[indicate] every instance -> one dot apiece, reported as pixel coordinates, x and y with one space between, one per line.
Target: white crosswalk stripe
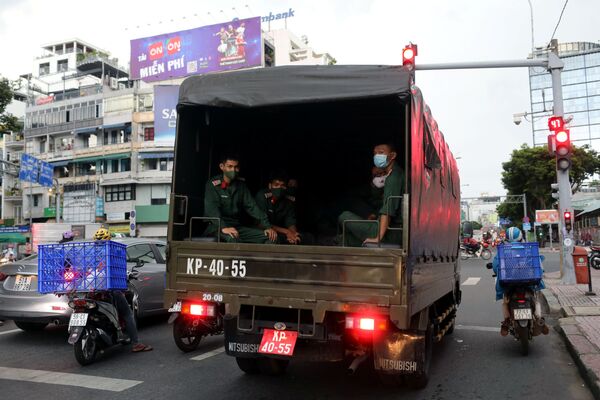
11 331
208 354
471 281
61 378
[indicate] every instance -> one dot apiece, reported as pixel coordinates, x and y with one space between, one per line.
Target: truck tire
419 380
272 366
248 365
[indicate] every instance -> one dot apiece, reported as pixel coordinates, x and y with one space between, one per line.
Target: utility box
580 260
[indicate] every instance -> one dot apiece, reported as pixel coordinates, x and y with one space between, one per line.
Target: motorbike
193 320
595 257
95 324
482 251
523 325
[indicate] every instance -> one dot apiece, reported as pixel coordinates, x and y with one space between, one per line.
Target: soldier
279 208
390 213
226 197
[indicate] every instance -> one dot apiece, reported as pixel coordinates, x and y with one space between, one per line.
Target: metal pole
531 13
525 219
550 225
57 201
537 62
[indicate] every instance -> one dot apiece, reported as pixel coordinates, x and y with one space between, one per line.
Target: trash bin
580 260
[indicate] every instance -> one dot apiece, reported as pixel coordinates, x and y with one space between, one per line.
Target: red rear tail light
200 310
365 323
69 276
3 276
520 295
520 301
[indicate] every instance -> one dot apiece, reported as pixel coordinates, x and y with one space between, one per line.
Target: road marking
11 331
471 281
208 354
477 328
62 378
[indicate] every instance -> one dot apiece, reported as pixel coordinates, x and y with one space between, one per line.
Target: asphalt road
473 363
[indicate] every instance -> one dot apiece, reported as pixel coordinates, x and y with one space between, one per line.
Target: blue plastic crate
82 267
519 263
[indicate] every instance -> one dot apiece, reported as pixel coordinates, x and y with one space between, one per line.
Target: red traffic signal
568 221
556 124
408 54
562 139
567 215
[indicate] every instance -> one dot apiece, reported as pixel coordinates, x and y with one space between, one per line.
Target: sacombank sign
275 17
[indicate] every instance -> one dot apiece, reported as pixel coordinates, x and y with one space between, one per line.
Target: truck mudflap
400 353
246 345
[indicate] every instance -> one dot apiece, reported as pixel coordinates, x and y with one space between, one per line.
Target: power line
559 18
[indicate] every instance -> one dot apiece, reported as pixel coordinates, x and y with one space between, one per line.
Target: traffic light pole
554 65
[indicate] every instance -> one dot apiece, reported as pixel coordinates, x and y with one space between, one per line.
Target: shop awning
12 238
86 130
166 154
116 156
124 125
60 163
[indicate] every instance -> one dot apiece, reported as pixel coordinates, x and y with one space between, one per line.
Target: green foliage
8 122
476 225
531 170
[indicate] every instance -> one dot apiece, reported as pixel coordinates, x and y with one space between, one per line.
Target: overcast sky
473 108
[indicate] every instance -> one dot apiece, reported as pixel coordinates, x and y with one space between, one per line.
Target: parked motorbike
194 320
523 325
595 257
483 251
95 324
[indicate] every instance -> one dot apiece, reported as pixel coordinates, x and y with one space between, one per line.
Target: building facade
581 93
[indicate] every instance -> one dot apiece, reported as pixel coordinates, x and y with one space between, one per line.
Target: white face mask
379 181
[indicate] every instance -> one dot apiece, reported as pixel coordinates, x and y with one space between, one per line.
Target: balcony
66 127
13 195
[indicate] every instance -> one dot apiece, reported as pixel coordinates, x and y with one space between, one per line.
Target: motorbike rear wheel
486 254
85 348
595 261
523 333
186 337
464 254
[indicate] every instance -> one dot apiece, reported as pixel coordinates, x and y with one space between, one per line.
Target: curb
551 304
568 330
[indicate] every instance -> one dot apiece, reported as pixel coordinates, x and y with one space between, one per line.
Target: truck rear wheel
272 366
248 365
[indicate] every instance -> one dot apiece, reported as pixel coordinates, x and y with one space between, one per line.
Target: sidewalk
578 322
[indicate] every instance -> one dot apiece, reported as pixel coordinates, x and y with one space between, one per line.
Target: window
158 202
36 199
142 252
114 167
163 164
114 137
62 65
148 134
119 193
44 69
162 250
125 164
151 164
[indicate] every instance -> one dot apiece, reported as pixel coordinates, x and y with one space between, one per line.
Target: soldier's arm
212 206
253 210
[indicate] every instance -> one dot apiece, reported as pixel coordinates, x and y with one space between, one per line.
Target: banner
165 113
220 47
546 216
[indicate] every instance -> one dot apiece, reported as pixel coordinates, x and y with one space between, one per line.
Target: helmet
513 234
102 234
68 235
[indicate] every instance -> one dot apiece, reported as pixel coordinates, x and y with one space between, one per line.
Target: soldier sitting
226 197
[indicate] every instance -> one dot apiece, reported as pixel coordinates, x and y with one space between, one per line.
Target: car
32 311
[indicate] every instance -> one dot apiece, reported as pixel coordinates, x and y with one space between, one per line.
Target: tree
531 170
8 122
476 225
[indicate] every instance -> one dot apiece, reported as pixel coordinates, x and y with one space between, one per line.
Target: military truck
319 301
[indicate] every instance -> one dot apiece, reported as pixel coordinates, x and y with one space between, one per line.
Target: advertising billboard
546 216
165 113
220 47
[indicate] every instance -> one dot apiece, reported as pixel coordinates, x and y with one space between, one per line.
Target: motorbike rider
67 236
514 235
472 244
123 307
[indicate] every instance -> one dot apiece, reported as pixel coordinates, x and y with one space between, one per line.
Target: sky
474 108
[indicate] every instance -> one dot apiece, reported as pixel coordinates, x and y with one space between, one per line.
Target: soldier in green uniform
361 233
279 208
226 196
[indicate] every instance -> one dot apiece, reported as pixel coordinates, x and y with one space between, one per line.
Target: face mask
379 181
230 174
380 160
277 192
291 191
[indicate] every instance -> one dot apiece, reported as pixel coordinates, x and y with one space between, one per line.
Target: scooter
523 325
193 320
469 252
95 324
595 257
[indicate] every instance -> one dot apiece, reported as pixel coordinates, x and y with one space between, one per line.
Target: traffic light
568 221
563 149
408 55
555 195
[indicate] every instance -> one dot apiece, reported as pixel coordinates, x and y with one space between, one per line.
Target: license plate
22 283
276 342
522 313
78 319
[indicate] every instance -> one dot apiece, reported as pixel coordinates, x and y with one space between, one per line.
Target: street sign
525 219
29 168
526 226
46 172
504 221
537 224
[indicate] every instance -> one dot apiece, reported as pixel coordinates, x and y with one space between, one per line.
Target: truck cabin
320 133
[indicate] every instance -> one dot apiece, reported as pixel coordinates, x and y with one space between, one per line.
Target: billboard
165 113
220 47
546 216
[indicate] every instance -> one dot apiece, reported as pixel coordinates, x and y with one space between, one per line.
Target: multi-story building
291 50
581 93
